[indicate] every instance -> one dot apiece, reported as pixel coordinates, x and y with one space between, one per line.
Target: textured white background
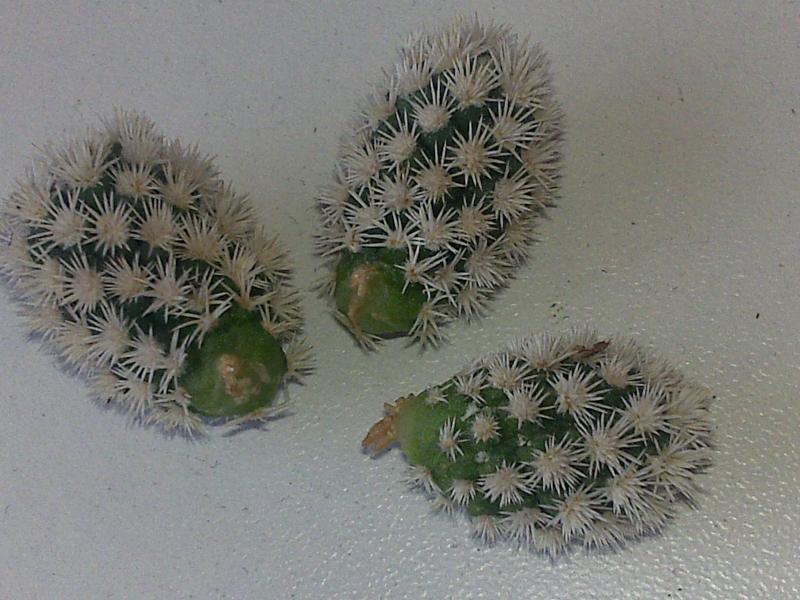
679 224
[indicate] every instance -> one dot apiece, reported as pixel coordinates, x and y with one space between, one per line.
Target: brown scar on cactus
359 282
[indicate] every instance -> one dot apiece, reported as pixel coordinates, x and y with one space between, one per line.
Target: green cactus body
555 440
449 166
150 276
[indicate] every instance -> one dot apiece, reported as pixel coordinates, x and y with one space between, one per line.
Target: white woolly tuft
427 327
485 428
576 513
109 224
421 477
506 372
452 161
442 503
435 396
135 181
558 466
506 485
126 249
550 541
83 283
525 404
470 385
486 528
462 491
520 525
156 225
578 394
449 439
63 226
110 334
80 163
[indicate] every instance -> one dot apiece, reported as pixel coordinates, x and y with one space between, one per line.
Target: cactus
149 276
437 191
556 440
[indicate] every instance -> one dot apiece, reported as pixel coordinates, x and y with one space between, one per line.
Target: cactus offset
439 187
556 440
150 276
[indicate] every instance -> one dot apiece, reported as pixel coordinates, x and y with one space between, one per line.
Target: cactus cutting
439 186
556 440
150 276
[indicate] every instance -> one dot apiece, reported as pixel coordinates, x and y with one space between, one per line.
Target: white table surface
679 224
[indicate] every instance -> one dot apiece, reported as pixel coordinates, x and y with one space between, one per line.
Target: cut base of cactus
372 294
238 368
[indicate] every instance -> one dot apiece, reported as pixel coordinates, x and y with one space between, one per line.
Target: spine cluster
449 165
556 440
125 250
